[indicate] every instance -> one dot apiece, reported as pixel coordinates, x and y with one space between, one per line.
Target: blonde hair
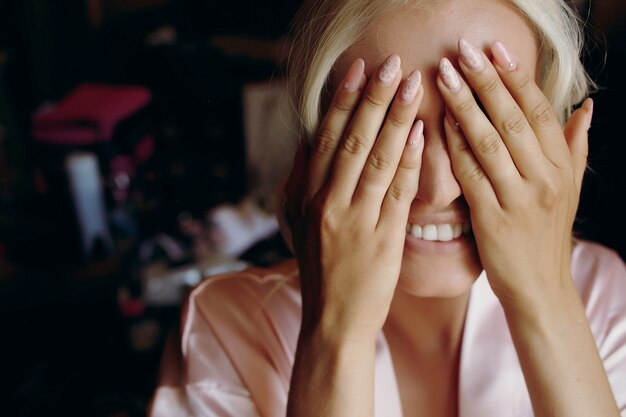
325 29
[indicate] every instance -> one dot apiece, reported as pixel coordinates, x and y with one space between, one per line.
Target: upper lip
423 214
439 218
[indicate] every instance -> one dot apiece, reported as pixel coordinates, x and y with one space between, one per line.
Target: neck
431 326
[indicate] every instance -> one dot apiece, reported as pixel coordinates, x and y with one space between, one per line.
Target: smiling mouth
442 232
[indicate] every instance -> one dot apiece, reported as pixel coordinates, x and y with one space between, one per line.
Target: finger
484 140
382 162
363 129
477 188
402 190
576 135
503 111
333 125
534 104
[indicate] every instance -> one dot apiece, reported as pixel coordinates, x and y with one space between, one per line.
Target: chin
439 275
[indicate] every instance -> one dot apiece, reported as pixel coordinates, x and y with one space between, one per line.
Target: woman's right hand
348 199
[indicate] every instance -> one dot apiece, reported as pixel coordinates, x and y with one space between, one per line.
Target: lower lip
416 244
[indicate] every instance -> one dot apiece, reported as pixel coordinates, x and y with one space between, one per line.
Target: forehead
423 34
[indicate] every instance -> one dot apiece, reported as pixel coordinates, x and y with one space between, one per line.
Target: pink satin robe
239 332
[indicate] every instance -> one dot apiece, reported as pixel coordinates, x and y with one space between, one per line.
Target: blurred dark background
83 322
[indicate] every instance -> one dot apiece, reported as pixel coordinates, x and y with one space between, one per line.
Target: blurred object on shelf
162 247
111 123
253 48
234 228
270 138
99 10
163 35
167 286
87 193
89 114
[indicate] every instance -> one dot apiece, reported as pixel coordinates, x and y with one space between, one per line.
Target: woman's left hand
519 170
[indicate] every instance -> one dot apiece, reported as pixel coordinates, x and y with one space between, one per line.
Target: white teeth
429 232
443 232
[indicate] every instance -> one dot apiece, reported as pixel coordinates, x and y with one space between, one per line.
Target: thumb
577 137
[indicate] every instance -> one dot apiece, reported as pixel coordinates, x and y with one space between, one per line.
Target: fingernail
471 56
353 78
416 136
449 76
503 56
411 87
389 70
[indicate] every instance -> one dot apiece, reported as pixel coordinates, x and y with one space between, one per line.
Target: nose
438 186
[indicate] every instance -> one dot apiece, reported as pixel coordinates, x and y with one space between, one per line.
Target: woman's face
432 265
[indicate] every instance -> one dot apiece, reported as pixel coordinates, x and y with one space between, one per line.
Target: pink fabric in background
88 114
239 333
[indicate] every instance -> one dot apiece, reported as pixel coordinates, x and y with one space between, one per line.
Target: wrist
333 374
544 306
332 331
345 320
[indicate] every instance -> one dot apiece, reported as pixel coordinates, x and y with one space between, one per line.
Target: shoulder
246 292
252 317
600 276
598 271
237 340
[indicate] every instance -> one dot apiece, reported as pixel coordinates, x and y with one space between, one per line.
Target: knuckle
326 141
514 123
354 143
379 161
461 146
465 106
396 120
341 106
549 194
399 193
474 174
374 101
542 114
489 144
490 85
522 83
322 214
409 162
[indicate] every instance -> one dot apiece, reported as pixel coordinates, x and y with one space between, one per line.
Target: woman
430 213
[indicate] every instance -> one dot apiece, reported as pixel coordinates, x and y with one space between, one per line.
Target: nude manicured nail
411 87
471 56
416 136
449 76
389 70
503 57
353 78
